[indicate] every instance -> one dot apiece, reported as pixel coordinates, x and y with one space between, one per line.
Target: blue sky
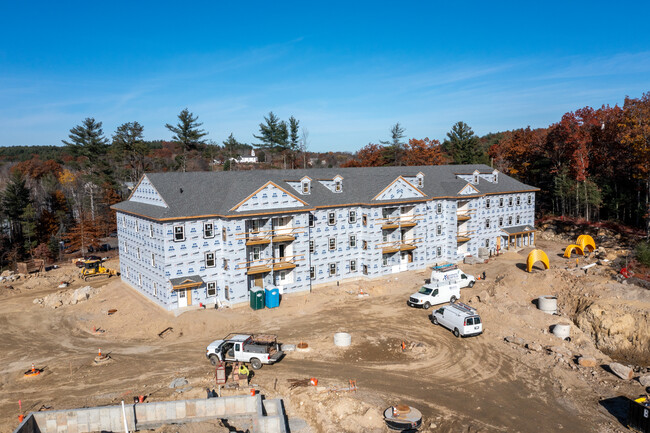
348 71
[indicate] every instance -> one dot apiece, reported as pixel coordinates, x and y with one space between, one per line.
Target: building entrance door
182 298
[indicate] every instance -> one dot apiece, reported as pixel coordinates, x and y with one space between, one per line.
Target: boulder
587 361
645 380
536 347
178 382
625 373
515 340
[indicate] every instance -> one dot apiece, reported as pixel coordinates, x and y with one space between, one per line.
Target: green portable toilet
257 298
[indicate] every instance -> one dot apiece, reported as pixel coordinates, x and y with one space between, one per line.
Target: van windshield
425 291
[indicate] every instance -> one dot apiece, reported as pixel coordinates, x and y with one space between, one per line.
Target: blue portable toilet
272 297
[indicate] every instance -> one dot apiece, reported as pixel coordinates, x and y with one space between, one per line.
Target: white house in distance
245 159
197 237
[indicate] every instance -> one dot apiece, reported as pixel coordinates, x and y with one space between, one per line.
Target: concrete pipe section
342 339
547 304
562 330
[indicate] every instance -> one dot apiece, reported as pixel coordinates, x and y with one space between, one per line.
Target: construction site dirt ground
478 384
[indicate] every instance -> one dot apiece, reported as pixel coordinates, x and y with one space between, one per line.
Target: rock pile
67 297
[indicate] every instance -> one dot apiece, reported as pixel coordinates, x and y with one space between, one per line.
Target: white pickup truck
254 349
452 273
435 293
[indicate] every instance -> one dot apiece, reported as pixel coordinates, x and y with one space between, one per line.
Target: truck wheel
452 299
426 306
214 360
434 320
471 284
256 363
456 333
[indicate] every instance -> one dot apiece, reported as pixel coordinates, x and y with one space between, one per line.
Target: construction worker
243 371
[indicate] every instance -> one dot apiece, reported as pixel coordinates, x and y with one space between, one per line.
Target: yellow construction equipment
586 242
570 248
534 256
94 267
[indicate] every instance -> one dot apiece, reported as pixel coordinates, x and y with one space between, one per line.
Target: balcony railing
402 245
464 236
393 222
281 234
259 266
464 215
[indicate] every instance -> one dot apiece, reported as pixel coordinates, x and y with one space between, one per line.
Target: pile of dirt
336 412
618 328
67 297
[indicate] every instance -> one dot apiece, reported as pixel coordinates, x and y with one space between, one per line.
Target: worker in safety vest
243 370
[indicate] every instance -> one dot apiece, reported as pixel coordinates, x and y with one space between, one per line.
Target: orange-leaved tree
85 233
371 155
423 152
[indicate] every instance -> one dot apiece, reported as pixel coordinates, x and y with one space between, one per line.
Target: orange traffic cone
313 381
33 368
99 354
403 346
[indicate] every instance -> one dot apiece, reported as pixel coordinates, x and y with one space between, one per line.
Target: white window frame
331 242
510 220
126 247
353 265
384 237
530 199
501 201
332 269
150 230
438 251
439 230
312 272
487 203
510 201
338 186
517 219
155 288
177 232
384 260
331 218
137 226
256 253
305 187
138 253
153 259
352 216
311 246
518 201
475 178
205 230
353 241
210 257
420 181
312 220
500 221
487 243
438 208
139 279
487 223
124 221
211 286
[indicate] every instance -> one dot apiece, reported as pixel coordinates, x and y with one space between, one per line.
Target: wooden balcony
269 264
389 223
257 240
463 237
283 264
283 238
398 246
463 215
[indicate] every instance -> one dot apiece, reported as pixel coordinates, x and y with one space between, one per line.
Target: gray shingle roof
216 193
518 229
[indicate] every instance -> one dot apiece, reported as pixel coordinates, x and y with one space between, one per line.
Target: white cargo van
460 318
435 293
452 272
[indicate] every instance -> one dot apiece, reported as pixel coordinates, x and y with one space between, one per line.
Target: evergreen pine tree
187 134
463 145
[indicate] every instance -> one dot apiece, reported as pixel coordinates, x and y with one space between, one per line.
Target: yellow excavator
94 267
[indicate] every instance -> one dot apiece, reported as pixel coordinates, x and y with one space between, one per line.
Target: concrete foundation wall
155 414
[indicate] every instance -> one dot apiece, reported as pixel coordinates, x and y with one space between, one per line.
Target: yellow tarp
535 256
586 241
570 248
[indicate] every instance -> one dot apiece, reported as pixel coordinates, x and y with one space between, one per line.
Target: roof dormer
475 177
495 176
338 183
305 185
419 178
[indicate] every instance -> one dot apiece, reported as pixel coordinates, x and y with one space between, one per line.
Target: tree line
592 164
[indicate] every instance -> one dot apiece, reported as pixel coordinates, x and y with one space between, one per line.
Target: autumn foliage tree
87 232
423 152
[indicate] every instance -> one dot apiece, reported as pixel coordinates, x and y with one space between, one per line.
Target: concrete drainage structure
263 416
342 339
562 330
547 304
